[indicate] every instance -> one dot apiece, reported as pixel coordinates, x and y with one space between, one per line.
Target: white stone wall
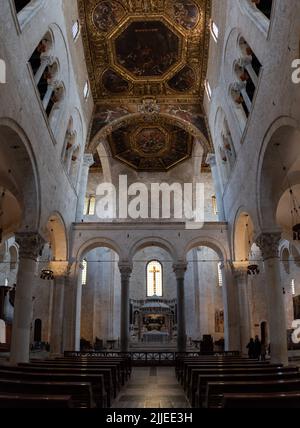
100 306
20 102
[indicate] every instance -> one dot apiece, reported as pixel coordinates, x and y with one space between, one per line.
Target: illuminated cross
154 271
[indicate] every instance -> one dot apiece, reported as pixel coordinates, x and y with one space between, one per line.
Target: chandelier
47 274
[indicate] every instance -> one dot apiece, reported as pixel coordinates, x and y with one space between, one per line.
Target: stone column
125 271
70 306
211 160
30 246
231 314
241 277
88 161
57 336
269 245
180 270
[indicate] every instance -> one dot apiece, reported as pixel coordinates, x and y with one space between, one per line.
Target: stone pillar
180 270
125 271
57 336
231 314
30 246
269 246
241 277
88 161
70 306
211 160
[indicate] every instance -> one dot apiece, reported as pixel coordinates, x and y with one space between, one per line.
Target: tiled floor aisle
155 387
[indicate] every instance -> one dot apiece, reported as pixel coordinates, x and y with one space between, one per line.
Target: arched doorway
153 298
37 331
99 280
264 332
204 302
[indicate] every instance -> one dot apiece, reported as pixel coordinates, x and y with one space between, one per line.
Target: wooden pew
97 381
216 390
114 383
27 401
106 373
275 400
192 386
198 397
125 361
182 363
189 367
80 392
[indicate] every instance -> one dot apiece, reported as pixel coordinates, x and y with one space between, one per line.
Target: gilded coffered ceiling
146 53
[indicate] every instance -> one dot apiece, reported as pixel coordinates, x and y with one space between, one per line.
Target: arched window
154 279
84 272
75 29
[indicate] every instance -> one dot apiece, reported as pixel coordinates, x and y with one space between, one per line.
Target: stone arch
13 256
97 243
243 236
19 175
209 242
58 237
278 156
104 155
133 117
60 46
153 241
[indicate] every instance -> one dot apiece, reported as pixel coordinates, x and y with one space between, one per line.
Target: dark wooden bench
192 386
182 363
101 397
125 362
112 382
198 398
216 390
287 400
105 372
20 401
189 367
80 392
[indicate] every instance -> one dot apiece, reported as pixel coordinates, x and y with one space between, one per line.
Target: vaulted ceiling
148 59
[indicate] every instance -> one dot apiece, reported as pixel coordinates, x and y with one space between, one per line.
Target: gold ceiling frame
198 48
124 25
158 119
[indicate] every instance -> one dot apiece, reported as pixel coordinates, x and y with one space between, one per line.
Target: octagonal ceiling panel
148 43
151 148
147 49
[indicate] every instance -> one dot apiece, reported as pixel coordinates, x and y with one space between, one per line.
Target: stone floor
154 387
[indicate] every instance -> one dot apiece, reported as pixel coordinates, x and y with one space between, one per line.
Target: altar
153 321
156 337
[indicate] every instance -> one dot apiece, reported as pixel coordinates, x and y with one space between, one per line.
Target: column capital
31 244
180 269
125 270
211 159
88 160
269 244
